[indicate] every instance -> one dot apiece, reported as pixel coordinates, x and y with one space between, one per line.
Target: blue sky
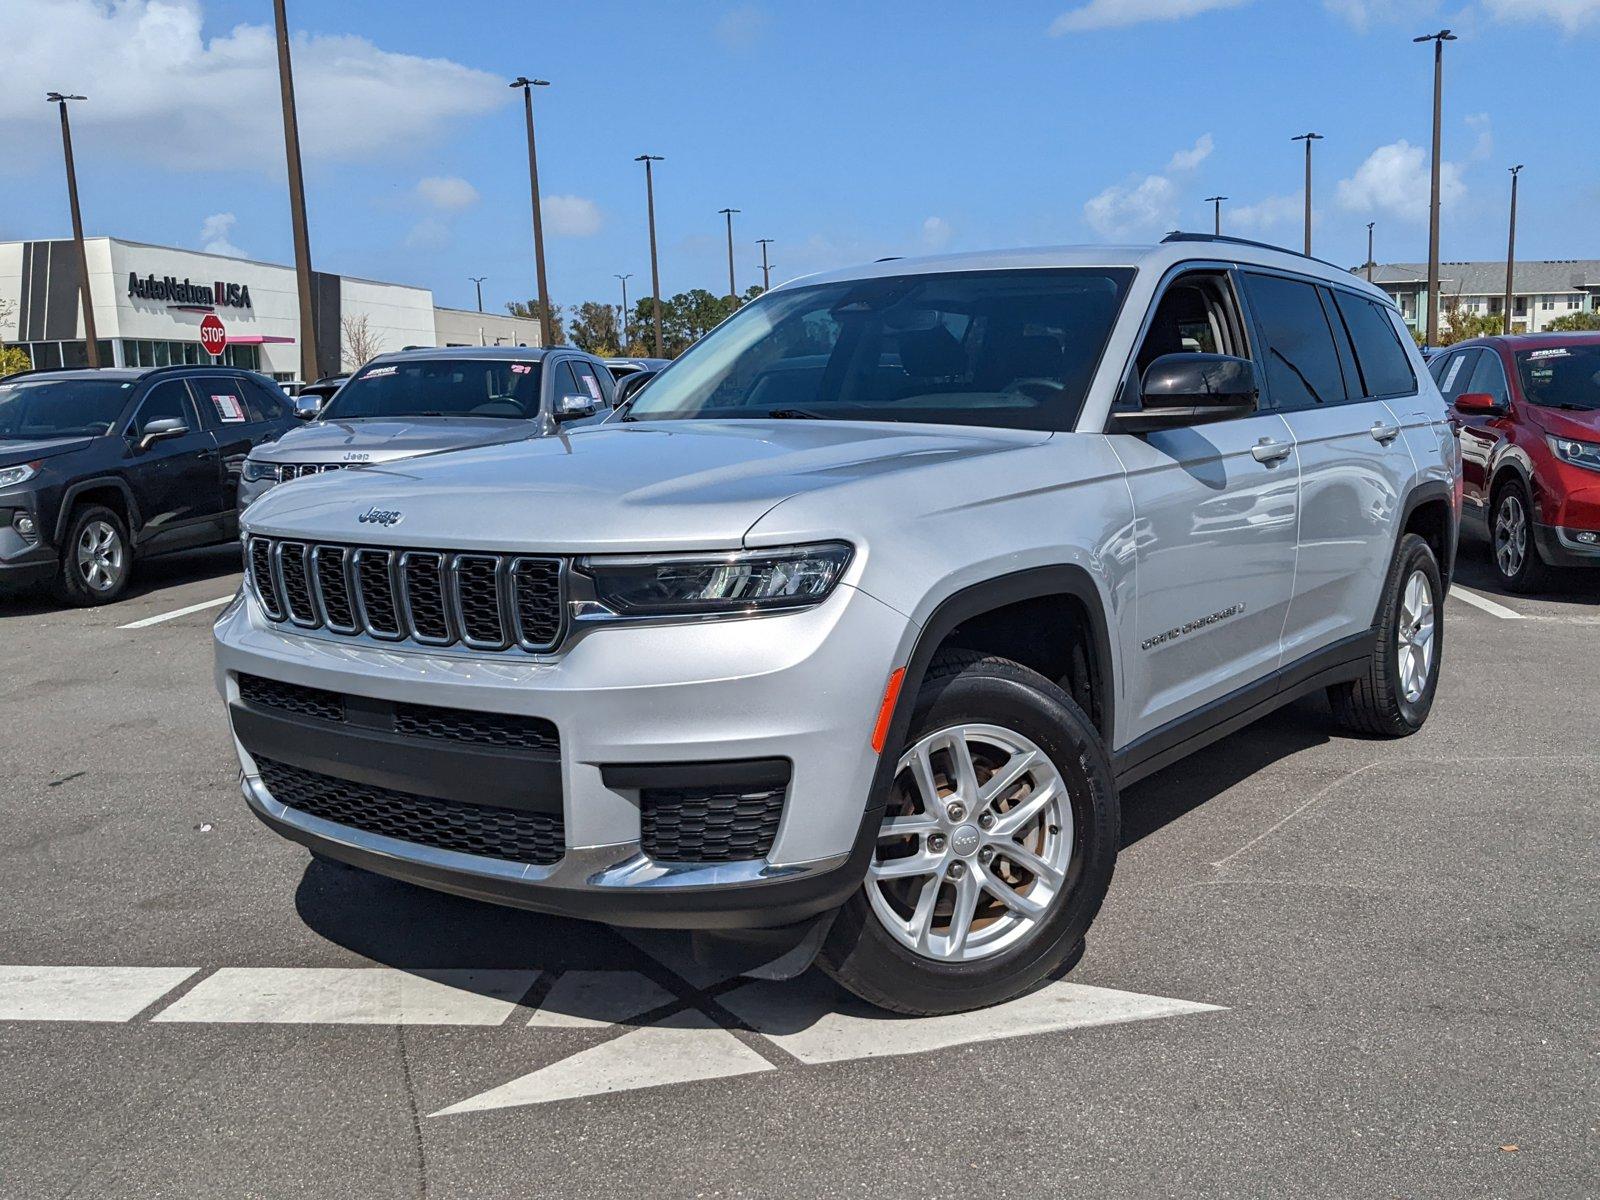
844 131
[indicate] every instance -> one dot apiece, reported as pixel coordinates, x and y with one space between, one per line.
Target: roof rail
1178 235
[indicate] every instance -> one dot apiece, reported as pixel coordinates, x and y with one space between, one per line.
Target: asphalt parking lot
1327 967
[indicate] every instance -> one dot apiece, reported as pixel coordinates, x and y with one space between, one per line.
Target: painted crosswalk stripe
146 622
351 996
84 993
682 1048
1485 604
816 1024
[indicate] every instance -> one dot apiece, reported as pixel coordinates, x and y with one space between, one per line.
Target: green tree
1578 322
594 328
1457 325
529 310
14 359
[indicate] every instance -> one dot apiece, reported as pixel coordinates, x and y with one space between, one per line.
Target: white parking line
351 996
1484 603
84 993
175 613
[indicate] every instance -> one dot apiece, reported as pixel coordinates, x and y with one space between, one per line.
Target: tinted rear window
1302 362
440 387
1385 366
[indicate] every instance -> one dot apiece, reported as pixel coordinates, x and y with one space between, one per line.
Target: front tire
1514 550
996 848
96 558
1393 698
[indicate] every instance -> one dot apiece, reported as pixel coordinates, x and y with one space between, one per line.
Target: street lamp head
1444 35
650 158
1516 170
1307 137
1215 199
522 81
722 212
58 97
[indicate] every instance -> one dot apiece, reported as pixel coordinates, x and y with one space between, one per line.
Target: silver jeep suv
839 641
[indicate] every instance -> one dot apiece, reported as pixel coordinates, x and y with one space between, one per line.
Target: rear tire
96 558
1016 874
1393 698
1512 546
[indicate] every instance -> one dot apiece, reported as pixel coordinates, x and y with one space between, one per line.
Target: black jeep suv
99 468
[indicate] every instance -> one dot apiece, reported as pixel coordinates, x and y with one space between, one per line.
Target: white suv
843 634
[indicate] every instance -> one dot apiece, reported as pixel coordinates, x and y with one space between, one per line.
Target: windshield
48 408
1015 349
434 387
1562 376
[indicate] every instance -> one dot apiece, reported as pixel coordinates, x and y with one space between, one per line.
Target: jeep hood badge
381 516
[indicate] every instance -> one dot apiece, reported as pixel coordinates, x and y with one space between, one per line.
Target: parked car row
99 469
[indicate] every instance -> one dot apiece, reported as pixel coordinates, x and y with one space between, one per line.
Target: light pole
1511 246
1438 40
1308 138
1370 225
91 343
1216 212
527 85
478 280
766 267
655 268
623 331
733 289
297 201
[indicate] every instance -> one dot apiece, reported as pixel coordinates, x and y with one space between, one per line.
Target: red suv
1527 410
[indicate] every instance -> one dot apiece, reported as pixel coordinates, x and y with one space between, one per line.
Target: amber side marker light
891 693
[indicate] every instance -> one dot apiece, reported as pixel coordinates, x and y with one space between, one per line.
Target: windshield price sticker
1556 353
521 368
378 372
593 384
229 410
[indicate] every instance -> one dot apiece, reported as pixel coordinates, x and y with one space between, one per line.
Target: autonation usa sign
170 290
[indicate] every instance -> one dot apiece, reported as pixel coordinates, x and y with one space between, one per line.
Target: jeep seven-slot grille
709 824
433 597
505 833
288 471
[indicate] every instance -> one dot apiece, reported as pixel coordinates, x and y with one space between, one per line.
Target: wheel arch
1429 512
105 489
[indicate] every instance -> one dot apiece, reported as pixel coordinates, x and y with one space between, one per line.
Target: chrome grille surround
288 471
435 598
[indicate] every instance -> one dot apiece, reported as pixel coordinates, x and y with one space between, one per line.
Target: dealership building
149 302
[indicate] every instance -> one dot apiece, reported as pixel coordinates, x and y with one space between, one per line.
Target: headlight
747 581
10 476
1579 454
255 470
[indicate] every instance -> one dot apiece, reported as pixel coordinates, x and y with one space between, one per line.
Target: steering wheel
1032 387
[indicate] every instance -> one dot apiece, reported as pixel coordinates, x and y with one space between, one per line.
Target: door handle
1385 433
1269 451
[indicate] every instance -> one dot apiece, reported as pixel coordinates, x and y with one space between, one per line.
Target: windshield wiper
795 414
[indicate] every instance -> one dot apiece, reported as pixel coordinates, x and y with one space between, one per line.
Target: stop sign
213 337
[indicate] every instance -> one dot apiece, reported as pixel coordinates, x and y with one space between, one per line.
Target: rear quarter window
1384 365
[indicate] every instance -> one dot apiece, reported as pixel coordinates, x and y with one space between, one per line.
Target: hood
1566 422
14 452
653 485
380 439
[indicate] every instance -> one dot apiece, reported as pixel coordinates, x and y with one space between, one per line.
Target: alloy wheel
100 555
976 847
1510 535
1415 637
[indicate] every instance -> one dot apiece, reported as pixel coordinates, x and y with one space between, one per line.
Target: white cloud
163 94
214 234
1188 160
1481 124
1112 14
1124 210
1266 214
936 233
448 193
572 216
740 28
1570 15
430 233
1362 14
1396 180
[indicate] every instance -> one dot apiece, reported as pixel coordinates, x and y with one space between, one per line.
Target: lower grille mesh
291 697
504 833
707 825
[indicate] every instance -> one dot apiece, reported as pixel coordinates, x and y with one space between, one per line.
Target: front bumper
804 687
1562 548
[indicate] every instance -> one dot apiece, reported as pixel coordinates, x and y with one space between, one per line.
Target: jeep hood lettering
382 439
670 485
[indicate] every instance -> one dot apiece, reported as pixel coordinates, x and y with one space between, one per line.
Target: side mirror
306 407
628 386
1477 402
576 405
1192 389
161 430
